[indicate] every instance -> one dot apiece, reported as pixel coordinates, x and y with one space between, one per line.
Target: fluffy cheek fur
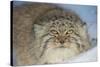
53 53
58 55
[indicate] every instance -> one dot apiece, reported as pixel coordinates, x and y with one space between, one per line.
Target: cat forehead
61 22
61 25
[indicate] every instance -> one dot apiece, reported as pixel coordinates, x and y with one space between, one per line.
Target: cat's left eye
69 32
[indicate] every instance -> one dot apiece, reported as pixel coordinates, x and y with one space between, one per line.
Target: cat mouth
61 47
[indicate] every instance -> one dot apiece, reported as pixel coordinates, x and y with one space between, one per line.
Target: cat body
45 34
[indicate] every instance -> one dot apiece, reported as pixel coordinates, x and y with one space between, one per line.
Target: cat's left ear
84 25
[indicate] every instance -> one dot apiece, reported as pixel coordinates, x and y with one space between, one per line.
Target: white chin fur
58 55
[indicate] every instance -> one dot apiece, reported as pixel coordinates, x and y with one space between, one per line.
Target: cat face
64 32
58 33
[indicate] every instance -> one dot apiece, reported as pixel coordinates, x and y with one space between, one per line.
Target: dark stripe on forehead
70 25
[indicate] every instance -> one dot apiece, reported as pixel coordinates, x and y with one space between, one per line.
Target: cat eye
53 32
69 32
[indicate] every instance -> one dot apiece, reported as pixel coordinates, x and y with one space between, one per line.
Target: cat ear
39 30
84 25
37 26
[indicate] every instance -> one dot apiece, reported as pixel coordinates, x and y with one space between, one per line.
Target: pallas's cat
46 34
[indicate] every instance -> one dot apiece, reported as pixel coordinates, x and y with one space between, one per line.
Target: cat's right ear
38 27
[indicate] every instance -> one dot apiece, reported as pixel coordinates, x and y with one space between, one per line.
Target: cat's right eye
54 31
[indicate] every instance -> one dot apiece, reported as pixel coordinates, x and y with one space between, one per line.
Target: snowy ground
89 56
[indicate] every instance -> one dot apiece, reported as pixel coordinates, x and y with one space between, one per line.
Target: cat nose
62 41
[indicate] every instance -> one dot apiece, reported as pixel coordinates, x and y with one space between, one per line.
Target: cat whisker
45 46
44 35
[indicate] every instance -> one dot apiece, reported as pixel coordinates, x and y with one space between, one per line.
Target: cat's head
58 33
59 30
